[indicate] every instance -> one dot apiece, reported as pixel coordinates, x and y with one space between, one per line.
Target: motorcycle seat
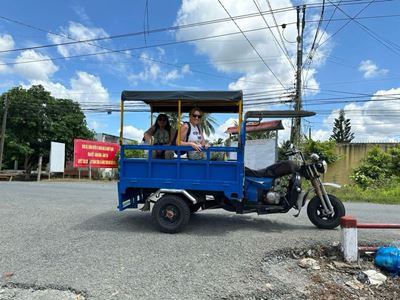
279 169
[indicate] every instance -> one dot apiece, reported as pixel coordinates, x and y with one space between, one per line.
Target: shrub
377 168
325 150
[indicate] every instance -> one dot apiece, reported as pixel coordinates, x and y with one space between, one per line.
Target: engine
276 193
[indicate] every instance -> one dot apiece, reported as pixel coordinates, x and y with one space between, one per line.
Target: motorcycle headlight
322 166
314 157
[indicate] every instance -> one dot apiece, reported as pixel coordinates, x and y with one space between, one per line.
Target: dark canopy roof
167 101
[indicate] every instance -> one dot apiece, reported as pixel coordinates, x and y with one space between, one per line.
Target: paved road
69 235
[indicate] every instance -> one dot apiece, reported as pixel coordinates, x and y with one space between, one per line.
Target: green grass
388 194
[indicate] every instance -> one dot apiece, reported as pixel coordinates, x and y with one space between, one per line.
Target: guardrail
349 238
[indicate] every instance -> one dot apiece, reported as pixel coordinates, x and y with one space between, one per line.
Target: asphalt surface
69 236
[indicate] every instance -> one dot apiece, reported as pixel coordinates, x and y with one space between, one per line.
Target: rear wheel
171 213
315 213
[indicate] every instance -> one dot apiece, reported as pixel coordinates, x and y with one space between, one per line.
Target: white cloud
373 121
78 32
133 133
97 125
40 70
172 75
153 72
220 130
284 135
90 87
185 69
6 43
80 11
234 48
321 135
370 69
85 88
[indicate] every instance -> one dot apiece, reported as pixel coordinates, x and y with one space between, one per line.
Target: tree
342 129
284 147
35 118
378 167
207 122
173 119
259 135
325 150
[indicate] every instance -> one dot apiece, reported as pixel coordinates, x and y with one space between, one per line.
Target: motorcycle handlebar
294 152
291 152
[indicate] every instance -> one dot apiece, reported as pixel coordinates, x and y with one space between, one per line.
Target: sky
350 61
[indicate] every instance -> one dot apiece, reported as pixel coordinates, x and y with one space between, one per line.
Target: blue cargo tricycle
176 188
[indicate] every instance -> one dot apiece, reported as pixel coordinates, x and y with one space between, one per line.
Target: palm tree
173 119
207 124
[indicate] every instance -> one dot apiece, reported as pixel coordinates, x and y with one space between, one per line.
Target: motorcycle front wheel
321 220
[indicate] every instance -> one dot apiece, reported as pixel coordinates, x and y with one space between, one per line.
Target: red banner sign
97 154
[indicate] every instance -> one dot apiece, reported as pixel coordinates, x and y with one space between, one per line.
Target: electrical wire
281 46
123 51
279 33
347 23
158 30
312 49
374 35
255 50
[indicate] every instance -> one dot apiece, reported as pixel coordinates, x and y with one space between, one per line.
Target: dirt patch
323 274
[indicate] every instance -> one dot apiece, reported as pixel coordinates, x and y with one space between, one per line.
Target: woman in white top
195 139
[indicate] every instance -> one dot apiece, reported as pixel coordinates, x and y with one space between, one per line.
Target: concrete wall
351 157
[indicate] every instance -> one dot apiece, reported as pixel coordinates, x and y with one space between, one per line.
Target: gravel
68 237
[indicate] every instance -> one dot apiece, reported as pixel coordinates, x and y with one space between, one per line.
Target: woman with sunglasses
161 133
195 139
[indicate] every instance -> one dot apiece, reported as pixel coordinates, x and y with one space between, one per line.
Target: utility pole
296 122
3 130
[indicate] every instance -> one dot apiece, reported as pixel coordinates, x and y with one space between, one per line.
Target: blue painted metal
253 185
136 174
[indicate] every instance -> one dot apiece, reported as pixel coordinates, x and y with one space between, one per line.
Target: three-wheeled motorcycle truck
179 187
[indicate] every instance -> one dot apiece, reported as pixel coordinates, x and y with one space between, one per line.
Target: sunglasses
197 116
162 119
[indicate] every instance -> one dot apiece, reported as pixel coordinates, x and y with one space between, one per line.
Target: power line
329 21
311 53
281 46
279 32
373 34
157 30
348 22
123 51
255 50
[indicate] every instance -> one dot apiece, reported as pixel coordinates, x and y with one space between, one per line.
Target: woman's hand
196 147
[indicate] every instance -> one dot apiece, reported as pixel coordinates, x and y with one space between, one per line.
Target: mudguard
331 184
